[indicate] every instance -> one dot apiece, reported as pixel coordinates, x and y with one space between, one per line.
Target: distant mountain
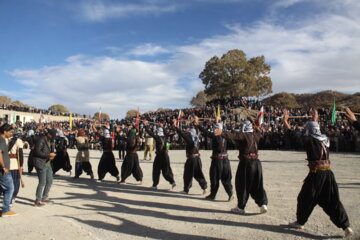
321 99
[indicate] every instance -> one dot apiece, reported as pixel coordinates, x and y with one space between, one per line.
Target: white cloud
85 84
287 3
148 49
103 10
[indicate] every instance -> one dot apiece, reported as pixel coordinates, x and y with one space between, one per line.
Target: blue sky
117 55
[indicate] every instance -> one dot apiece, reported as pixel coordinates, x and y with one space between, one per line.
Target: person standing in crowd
62 159
319 186
16 155
131 163
107 162
149 146
220 165
162 160
31 140
6 181
352 119
82 161
43 155
121 143
249 176
193 165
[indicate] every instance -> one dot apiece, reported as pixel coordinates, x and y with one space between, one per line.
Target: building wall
29 117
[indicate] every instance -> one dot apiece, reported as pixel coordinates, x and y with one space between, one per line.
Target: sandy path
85 209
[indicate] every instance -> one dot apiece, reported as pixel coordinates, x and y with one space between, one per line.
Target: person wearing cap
249 176
162 160
107 162
320 187
43 155
131 163
220 165
193 165
6 181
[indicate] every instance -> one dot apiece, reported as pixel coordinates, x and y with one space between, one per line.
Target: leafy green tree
163 109
233 75
5 100
58 108
200 99
131 113
19 104
103 116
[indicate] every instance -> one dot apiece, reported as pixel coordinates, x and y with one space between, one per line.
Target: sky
124 54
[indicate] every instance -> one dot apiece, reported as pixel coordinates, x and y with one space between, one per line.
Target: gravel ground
86 209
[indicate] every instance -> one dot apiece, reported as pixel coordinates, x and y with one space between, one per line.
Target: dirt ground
86 209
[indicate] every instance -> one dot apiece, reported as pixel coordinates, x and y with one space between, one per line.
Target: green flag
333 115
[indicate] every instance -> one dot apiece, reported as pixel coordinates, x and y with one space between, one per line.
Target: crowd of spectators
343 137
37 110
341 134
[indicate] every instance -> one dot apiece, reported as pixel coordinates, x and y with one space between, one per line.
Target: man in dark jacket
43 154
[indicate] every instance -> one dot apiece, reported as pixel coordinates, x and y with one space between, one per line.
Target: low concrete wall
29 117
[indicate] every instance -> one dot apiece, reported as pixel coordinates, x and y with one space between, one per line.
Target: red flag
260 117
137 119
113 140
179 118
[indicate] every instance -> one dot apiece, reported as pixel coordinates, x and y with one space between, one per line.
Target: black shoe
210 197
117 179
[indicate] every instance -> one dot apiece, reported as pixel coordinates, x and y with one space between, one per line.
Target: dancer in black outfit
220 165
107 162
320 187
131 163
249 176
193 165
162 160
